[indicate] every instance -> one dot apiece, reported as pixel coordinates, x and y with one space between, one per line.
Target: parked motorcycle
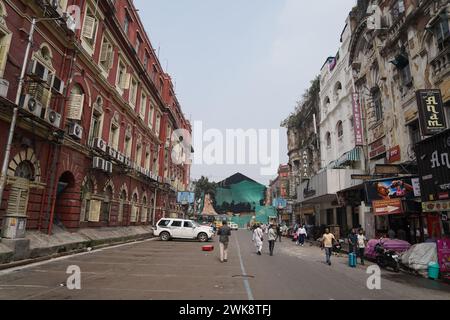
387 258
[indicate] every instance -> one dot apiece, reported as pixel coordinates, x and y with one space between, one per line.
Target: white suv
168 228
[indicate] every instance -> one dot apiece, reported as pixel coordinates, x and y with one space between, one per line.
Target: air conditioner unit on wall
98 163
120 157
111 152
58 85
30 104
37 69
99 144
108 167
76 131
53 117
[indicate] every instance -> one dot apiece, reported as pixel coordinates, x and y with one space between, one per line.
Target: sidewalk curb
26 262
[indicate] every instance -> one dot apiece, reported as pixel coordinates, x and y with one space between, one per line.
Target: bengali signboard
387 207
376 149
431 111
357 123
433 157
394 154
305 165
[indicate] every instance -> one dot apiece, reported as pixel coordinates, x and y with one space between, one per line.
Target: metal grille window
376 97
25 170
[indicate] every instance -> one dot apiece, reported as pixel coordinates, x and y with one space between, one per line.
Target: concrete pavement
180 270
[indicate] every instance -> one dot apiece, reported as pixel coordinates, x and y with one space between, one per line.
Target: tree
204 186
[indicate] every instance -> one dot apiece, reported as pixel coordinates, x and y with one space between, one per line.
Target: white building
337 125
340 158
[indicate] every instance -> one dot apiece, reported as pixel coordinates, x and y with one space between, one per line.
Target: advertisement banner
431 111
394 154
185 197
387 189
433 157
357 123
443 250
387 207
279 203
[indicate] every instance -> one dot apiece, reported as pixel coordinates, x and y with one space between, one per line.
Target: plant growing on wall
309 98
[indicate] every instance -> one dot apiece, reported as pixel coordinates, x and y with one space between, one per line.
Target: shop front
433 156
396 208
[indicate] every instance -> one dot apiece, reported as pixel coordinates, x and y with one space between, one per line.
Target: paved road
180 270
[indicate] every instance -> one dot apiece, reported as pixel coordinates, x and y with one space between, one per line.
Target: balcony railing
441 63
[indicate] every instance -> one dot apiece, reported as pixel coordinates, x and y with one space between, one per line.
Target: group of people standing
357 243
273 233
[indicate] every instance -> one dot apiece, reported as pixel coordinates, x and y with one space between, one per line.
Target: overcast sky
242 64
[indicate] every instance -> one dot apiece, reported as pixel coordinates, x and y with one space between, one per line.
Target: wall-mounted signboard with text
431 111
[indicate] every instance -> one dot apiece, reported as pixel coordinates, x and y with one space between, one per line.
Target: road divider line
244 273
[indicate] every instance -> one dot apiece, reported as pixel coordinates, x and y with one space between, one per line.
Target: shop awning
351 156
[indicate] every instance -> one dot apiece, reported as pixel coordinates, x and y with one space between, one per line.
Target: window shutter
94 212
76 103
46 96
126 81
89 27
110 57
18 200
104 52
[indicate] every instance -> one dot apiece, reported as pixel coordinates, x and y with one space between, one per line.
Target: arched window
106 205
25 170
76 103
86 195
337 90
326 105
134 209
328 139
145 210
97 120
122 200
114 131
46 53
340 130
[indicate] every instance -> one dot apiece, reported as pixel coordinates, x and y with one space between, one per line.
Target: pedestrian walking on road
258 237
279 234
272 238
302 234
352 241
362 243
328 240
224 234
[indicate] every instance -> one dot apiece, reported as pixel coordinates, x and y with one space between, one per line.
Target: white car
168 228
234 226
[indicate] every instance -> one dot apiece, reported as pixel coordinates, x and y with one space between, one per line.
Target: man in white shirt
258 239
361 243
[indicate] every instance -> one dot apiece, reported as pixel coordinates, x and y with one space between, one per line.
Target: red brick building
92 145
